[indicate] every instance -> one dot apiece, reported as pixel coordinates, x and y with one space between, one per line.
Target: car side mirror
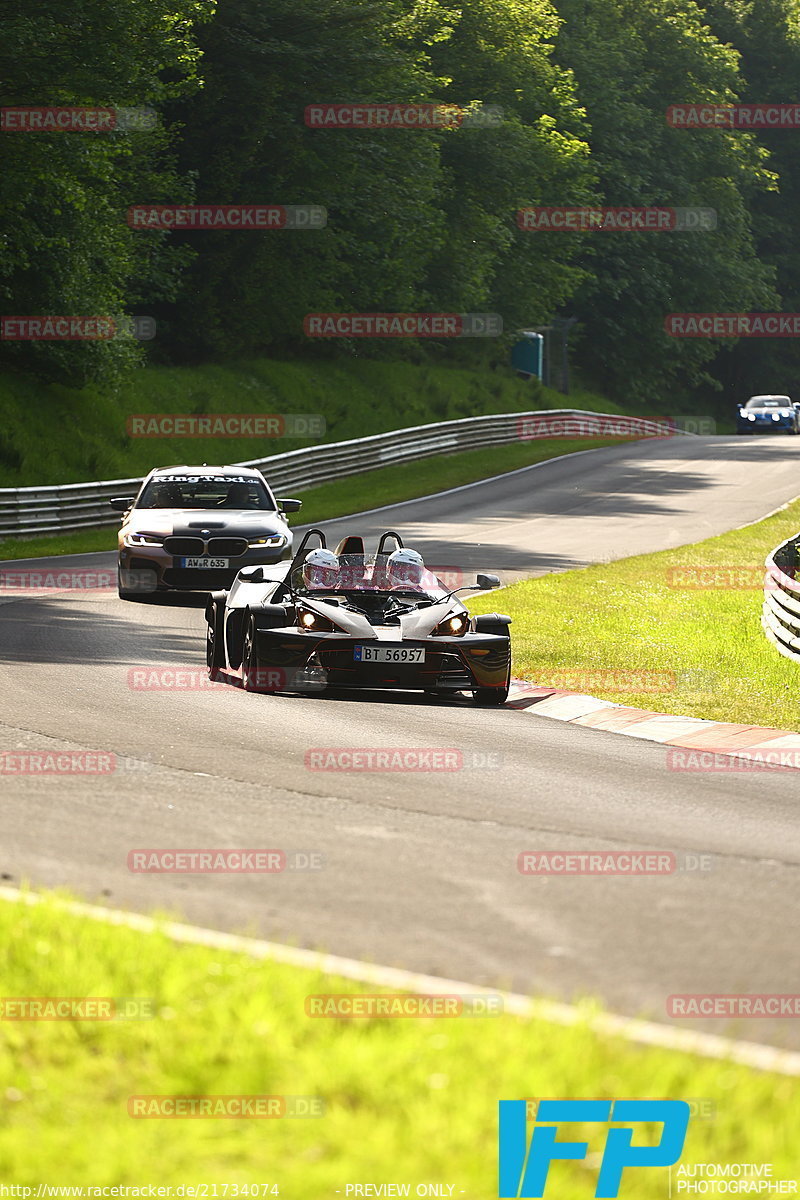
122 503
485 582
252 574
740 407
289 506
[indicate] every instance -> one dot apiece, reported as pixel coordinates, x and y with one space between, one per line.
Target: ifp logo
524 1170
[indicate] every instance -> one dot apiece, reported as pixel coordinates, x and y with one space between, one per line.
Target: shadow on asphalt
54 630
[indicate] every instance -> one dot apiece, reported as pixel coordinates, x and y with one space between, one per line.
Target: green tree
633 59
65 247
766 34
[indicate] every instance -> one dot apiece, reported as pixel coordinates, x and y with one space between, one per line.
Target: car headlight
313 622
275 539
144 539
452 626
776 416
750 416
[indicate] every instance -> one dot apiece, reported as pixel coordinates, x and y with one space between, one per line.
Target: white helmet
405 567
320 569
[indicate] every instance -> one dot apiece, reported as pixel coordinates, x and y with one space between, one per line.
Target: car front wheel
256 675
490 697
215 634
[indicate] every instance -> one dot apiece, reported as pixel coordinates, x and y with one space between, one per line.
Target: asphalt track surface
420 868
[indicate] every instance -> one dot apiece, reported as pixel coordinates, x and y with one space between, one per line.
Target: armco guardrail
780 616
30 510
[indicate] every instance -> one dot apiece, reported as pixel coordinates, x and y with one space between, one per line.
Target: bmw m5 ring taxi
349 619
194 528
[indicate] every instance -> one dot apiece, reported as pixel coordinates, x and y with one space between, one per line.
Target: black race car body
271 632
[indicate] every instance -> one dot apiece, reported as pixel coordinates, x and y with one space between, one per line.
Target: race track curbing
755 744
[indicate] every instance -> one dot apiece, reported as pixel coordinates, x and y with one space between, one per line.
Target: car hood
418 624
219 522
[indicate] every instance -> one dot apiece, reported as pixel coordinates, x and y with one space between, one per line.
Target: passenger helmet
320 569
405 567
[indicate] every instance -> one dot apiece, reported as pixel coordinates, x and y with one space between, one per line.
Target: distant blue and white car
768 414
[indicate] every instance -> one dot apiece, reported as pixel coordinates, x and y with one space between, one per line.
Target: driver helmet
405 567
321 569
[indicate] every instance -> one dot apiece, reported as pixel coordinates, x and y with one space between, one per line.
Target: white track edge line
706 1045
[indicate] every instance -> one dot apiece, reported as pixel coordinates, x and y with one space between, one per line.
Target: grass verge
388 485
51 434
406 1101
685 623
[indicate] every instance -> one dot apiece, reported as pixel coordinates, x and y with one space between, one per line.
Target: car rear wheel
249 656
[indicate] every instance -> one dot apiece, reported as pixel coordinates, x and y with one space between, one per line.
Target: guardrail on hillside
780 616
31 510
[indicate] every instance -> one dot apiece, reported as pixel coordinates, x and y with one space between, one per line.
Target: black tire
490 697
256 676
215 638
126 593
495 628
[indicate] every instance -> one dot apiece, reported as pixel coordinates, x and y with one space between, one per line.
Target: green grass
705 644
51 434
389 485
406 1101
